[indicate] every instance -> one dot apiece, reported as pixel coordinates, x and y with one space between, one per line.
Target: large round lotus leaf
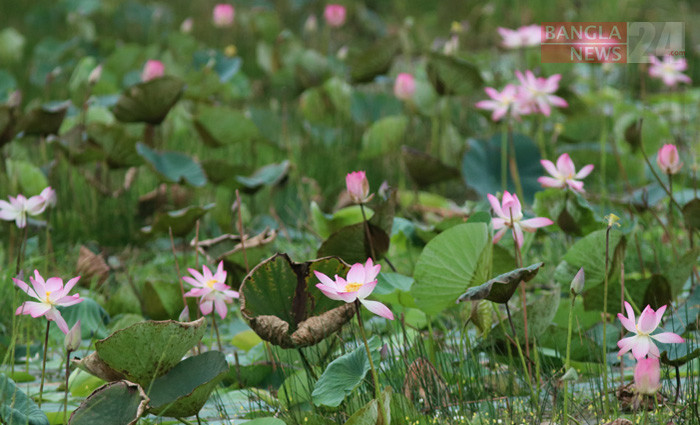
149 101
451 262
116 403
280 300
451 75
181 221
93 365
375 60
132 351
426 169
184 390
174 167
16 407
45 119
219 126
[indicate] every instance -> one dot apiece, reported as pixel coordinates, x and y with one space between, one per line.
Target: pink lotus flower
405 86
536 93
358 285
668 160
49 197
211 289
529 35
19 207
223 15
358 187
501 103
152 69
670 71
647 375
335 15
564 174
510 215
642 342
50 293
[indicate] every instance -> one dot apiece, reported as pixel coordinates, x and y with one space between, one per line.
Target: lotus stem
605 322
216 330
368 234
567 362
240 231
65 394
177 268
519 264
526 366
514 164
504 158
43 363
375 379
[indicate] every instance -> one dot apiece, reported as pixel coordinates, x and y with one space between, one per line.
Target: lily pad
149 101
425 169
181 221
376 60
45 119
185 388
130 351
116 403
174 167
451 262
16 408
451 75
282 305
501 288
220 126
269 175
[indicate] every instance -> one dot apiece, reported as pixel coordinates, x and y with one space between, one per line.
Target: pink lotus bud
668 159
578 282
223 15
152 69
647 375
95 75
186 26
358 187
335 15
72 340
405 86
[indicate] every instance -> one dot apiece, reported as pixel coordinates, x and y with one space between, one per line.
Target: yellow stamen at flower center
48 296
353 287
211 282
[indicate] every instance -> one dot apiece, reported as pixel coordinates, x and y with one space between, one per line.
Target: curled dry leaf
309 332
91 265
502 287
218 248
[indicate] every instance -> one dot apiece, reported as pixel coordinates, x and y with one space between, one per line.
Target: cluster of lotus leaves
144 366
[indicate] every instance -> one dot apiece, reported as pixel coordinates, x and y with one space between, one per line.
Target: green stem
567 363
65 394
514 165
605 322
216 329
43 363
522 357
368 235
375 379
504 158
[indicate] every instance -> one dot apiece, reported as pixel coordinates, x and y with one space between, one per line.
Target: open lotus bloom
642 343
668 160
213 292
670 71
50 294
358 187
564 174
509 214
358 285
536 94
525 36
19 207
501 103
647 376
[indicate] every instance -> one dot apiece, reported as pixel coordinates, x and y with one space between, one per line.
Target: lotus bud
73 338
668 160
335 15
95 75
405 86
577 283
152 69
358 187
223 15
